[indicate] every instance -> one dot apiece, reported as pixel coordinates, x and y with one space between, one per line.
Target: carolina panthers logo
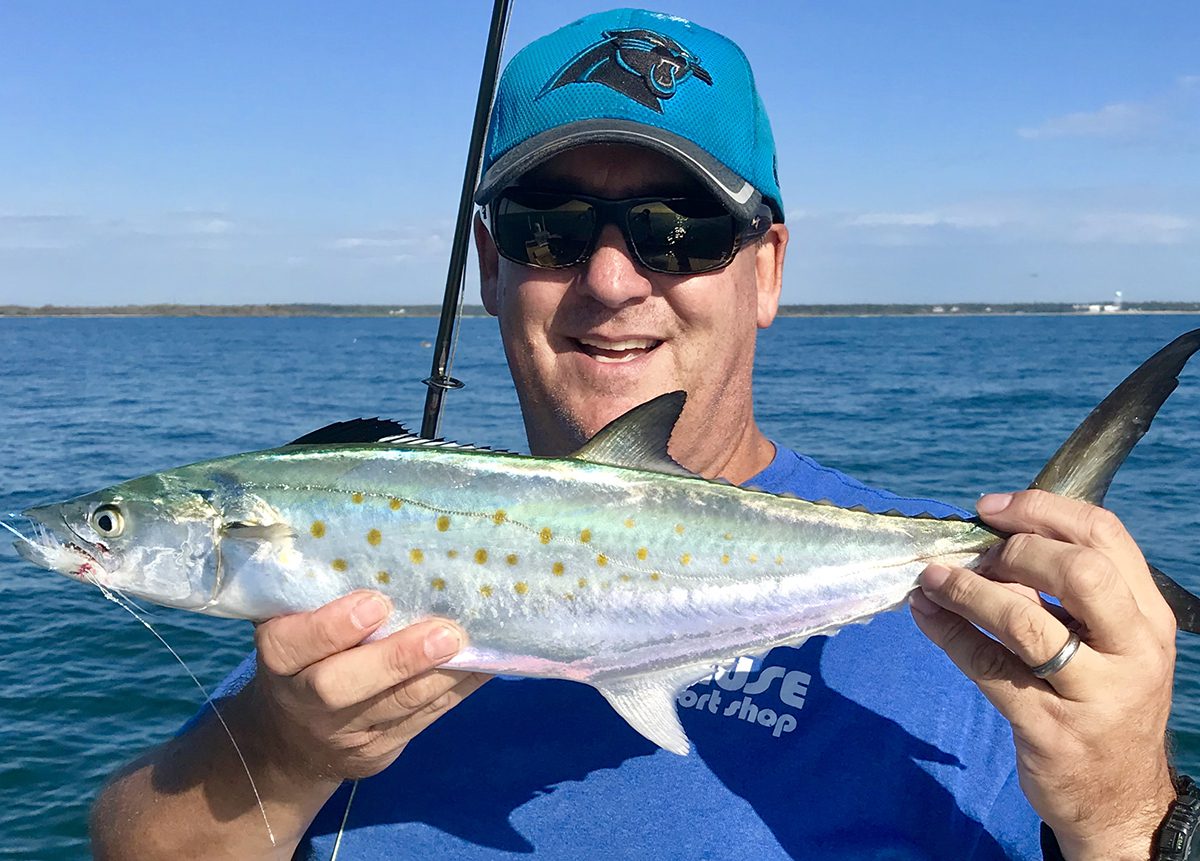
641 64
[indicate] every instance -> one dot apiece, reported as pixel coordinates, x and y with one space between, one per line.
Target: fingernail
370 611
993 503
934 577
442 643
920 603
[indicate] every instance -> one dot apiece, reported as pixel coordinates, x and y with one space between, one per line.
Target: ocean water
935 406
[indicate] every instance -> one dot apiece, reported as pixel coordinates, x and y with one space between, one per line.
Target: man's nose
610 276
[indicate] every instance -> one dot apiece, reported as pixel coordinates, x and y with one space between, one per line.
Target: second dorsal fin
638 439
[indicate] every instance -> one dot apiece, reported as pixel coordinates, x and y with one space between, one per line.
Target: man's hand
335 709
1090 738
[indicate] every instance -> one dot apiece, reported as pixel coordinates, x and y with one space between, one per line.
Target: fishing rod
439 380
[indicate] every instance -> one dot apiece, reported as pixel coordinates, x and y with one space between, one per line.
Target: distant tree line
331 310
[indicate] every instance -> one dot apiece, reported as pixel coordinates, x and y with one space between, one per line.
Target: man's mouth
616 351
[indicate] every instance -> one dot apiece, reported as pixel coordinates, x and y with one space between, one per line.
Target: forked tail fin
1084 466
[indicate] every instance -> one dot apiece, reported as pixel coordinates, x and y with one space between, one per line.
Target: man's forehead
613 170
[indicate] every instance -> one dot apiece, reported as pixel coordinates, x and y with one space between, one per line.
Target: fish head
151 538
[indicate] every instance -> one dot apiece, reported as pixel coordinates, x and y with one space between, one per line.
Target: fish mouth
57 546
616 350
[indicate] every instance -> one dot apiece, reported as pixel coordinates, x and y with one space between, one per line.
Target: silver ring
1060 660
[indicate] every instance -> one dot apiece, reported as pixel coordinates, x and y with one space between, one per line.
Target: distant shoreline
964 309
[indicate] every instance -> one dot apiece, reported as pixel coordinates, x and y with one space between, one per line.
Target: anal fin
647 703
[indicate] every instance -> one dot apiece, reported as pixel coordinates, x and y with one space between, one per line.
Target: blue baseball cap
636 77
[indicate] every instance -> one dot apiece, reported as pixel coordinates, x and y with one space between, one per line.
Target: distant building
1097 308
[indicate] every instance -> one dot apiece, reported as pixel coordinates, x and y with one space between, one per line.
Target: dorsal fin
354 431
638 439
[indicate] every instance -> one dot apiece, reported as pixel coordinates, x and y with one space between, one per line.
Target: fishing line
208 700
24 538
337 844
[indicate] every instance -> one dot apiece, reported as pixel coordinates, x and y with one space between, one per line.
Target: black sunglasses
673 235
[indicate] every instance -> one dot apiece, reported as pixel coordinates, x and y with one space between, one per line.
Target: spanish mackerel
615 566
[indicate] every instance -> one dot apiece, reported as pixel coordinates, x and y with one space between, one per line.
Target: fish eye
108 521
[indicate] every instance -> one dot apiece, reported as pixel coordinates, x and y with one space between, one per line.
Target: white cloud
1134 228
1081 217
395 245
932 218
1168 115
1118 120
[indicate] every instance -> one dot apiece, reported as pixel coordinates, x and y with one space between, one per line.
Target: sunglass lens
682 236
546 230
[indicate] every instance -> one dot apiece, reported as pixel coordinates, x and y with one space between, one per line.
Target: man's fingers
1087 583
1000 674
1074 522
360 674
288 644
1024 628
393 734
426 696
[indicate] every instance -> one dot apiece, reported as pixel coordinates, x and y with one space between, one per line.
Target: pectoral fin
276 533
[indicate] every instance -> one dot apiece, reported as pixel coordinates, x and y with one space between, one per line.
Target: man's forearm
190 797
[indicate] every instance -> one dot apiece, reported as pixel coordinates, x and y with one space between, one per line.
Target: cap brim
739 195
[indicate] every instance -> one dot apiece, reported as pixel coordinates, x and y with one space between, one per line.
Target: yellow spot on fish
481 556
654 575
338 565
778 560
567 596
625 578
511 558
585 536
443 523
642 553
545 535
438 583
317 529
356 498
557 568
678 528
753 557
582 583
728 536
383 577
417 555
601 560
499 517
724 558
374 537
485 591
629 523
452 554
685 558
521 587
395 504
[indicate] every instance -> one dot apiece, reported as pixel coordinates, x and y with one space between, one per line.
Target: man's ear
768 268
489 267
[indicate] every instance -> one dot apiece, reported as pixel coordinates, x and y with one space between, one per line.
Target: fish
615 566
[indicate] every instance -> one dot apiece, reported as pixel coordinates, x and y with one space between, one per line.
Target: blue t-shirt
867 744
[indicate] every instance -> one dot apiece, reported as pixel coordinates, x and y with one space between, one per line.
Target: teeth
632 344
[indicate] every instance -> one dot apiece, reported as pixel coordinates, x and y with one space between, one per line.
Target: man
633 243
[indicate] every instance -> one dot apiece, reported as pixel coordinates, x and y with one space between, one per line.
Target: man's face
590 342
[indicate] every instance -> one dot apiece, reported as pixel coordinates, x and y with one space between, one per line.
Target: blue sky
307 152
